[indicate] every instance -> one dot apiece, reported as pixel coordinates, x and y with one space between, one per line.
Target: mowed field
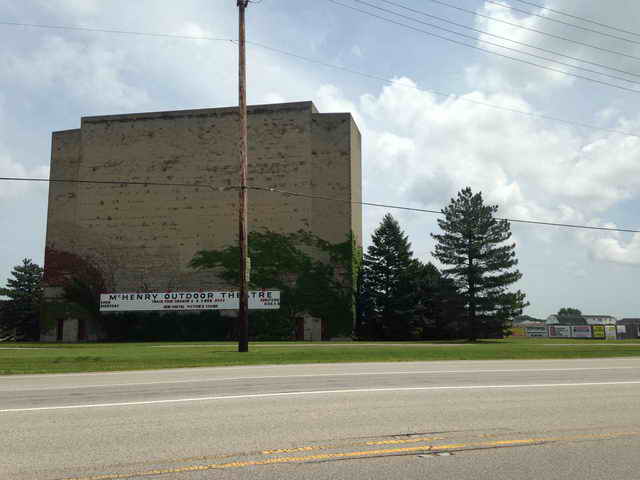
26 358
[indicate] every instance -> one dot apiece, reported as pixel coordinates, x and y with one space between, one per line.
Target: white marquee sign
125 302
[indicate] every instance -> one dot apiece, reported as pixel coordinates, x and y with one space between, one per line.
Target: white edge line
116 373
312 375
317 392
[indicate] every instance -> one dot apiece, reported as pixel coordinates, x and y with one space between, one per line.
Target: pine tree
480 262
440 306
21 311
389 269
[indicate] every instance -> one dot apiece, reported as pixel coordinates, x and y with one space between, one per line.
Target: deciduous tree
307 284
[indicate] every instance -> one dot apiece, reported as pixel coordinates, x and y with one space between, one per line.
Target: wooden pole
243 314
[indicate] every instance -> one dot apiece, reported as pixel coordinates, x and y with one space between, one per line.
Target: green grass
93 357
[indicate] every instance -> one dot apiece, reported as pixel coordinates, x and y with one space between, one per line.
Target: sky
435 116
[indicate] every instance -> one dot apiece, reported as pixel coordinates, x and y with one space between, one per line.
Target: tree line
391 294
468 297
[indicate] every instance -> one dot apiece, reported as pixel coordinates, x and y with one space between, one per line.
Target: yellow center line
354 444
362 454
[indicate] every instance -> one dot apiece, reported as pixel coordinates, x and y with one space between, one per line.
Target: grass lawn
21 358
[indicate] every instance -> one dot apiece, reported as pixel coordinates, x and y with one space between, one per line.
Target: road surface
463 420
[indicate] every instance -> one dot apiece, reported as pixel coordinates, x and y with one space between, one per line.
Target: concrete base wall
312 329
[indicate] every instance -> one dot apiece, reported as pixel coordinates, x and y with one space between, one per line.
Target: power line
350 71
444 94
190 37
555 20
522 52
475 47
484 32
558 37
307 195
566 14
423 210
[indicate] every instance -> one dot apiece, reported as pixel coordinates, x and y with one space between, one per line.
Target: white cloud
10 190
88 74
617 250
498 74
80 8
423 150
329 98
273 97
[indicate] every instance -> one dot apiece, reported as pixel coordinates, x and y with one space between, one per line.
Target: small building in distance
520 324
628 328
142 237
566 320
600 319
523 320
580 320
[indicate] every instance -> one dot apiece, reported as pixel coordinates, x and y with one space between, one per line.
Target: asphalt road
462 420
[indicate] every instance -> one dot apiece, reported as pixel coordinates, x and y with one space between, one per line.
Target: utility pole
243 314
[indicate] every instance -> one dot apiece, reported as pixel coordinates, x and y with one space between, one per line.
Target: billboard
610 332
581 331
536 331
187 301
559 331
599 331
518 332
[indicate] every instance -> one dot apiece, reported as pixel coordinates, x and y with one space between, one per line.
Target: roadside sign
536 331
599 331
581 331
187 301
557 331
610 332
518 332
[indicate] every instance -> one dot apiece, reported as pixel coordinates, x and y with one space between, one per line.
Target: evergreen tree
389 271
480 263
440 306
21 311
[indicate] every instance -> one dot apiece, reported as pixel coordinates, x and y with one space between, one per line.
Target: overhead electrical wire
166 35
541 32
423 210
524 44
471 37
475 47
576 17
555 20
538 116
351 71
308 195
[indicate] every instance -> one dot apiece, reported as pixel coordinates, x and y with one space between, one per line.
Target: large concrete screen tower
143 237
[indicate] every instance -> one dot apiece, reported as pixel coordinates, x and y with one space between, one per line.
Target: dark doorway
82 329
60 329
